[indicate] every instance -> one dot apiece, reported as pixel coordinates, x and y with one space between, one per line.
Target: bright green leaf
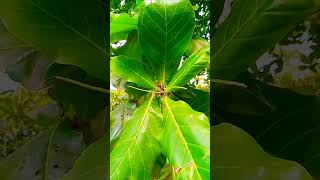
165 28
132 47
186 140
137 149
132 71
190 68
121 25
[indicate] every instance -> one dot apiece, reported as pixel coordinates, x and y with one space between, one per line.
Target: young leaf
121 25
137 149
132 71
186 140
190 68
70 32
238 156
196 44
251 29
165 28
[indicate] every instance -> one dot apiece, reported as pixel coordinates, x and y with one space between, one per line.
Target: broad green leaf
138 147
7 41
48 156
238 156
290 131
132 71
251 29
121 25
165 28
190 68
69 32
186 140
92 164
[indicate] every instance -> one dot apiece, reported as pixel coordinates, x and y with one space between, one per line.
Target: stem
225 82
87 86
144 90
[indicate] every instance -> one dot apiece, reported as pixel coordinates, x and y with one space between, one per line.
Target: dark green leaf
69 32
217 10
199 100
165 29
34 161
291 131
92 164
238 156
251 29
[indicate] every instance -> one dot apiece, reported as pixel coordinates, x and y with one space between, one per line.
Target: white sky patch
112 88
122 2
118 44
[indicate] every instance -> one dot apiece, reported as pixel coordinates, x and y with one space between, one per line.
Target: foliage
261 120
253 43
160 128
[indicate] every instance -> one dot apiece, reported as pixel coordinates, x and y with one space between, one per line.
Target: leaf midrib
182 137
69 27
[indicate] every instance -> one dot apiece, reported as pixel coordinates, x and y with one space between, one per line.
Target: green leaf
137 149
238 99
238 156
132 47
165 28
92 164
48 156
190 68
119 117
121 25
290 131
251 29
196 44
132 71
199 100
76 90
69 32
186 140
138 2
